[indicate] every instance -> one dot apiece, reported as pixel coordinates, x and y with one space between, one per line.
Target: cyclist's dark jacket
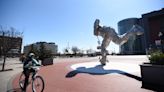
30 62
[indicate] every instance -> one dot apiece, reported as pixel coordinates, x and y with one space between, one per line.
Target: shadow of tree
99 70
5 70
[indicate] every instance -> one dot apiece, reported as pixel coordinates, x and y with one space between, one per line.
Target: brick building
15 45
153 24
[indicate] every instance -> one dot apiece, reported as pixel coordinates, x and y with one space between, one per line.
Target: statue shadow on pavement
99 70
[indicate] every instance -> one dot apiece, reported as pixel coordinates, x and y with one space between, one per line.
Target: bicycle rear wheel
38 84
21 80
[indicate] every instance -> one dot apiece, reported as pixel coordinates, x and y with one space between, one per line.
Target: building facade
134 44
153 24
48 46
14 44
153 37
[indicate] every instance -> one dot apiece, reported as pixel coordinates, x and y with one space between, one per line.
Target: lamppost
161 36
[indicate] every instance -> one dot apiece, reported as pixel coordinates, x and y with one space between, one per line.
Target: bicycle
37 80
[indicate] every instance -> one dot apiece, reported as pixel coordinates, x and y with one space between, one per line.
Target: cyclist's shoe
28 83
23 90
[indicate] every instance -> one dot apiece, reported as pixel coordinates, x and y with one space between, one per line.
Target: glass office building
135 44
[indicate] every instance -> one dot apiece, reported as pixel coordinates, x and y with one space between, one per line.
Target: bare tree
66 51
6 41
75 50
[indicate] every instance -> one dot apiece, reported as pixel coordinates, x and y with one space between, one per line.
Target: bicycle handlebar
35 67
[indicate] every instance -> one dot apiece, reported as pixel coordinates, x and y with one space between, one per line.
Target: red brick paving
55 81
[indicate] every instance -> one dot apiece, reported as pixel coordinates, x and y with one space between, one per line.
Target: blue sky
70 21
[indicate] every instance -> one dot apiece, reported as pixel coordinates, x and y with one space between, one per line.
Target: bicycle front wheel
21 80
38 84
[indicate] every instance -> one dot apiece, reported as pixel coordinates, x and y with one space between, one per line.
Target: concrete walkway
86 75
13 66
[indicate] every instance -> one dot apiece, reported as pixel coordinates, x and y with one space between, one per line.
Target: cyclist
28 63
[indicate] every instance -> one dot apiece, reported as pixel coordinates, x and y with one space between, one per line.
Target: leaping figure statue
108 34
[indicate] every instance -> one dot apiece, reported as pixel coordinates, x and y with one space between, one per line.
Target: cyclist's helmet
31 54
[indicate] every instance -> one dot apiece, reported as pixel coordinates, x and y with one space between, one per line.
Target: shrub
157 57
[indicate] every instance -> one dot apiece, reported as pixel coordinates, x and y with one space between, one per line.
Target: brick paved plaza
121 74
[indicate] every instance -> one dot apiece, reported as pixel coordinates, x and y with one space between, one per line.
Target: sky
70 22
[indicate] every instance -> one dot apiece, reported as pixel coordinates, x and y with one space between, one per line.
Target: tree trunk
4 61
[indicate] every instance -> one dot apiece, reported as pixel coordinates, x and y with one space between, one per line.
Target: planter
47 61
152 77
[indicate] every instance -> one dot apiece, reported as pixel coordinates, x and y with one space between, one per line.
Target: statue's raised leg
135 30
